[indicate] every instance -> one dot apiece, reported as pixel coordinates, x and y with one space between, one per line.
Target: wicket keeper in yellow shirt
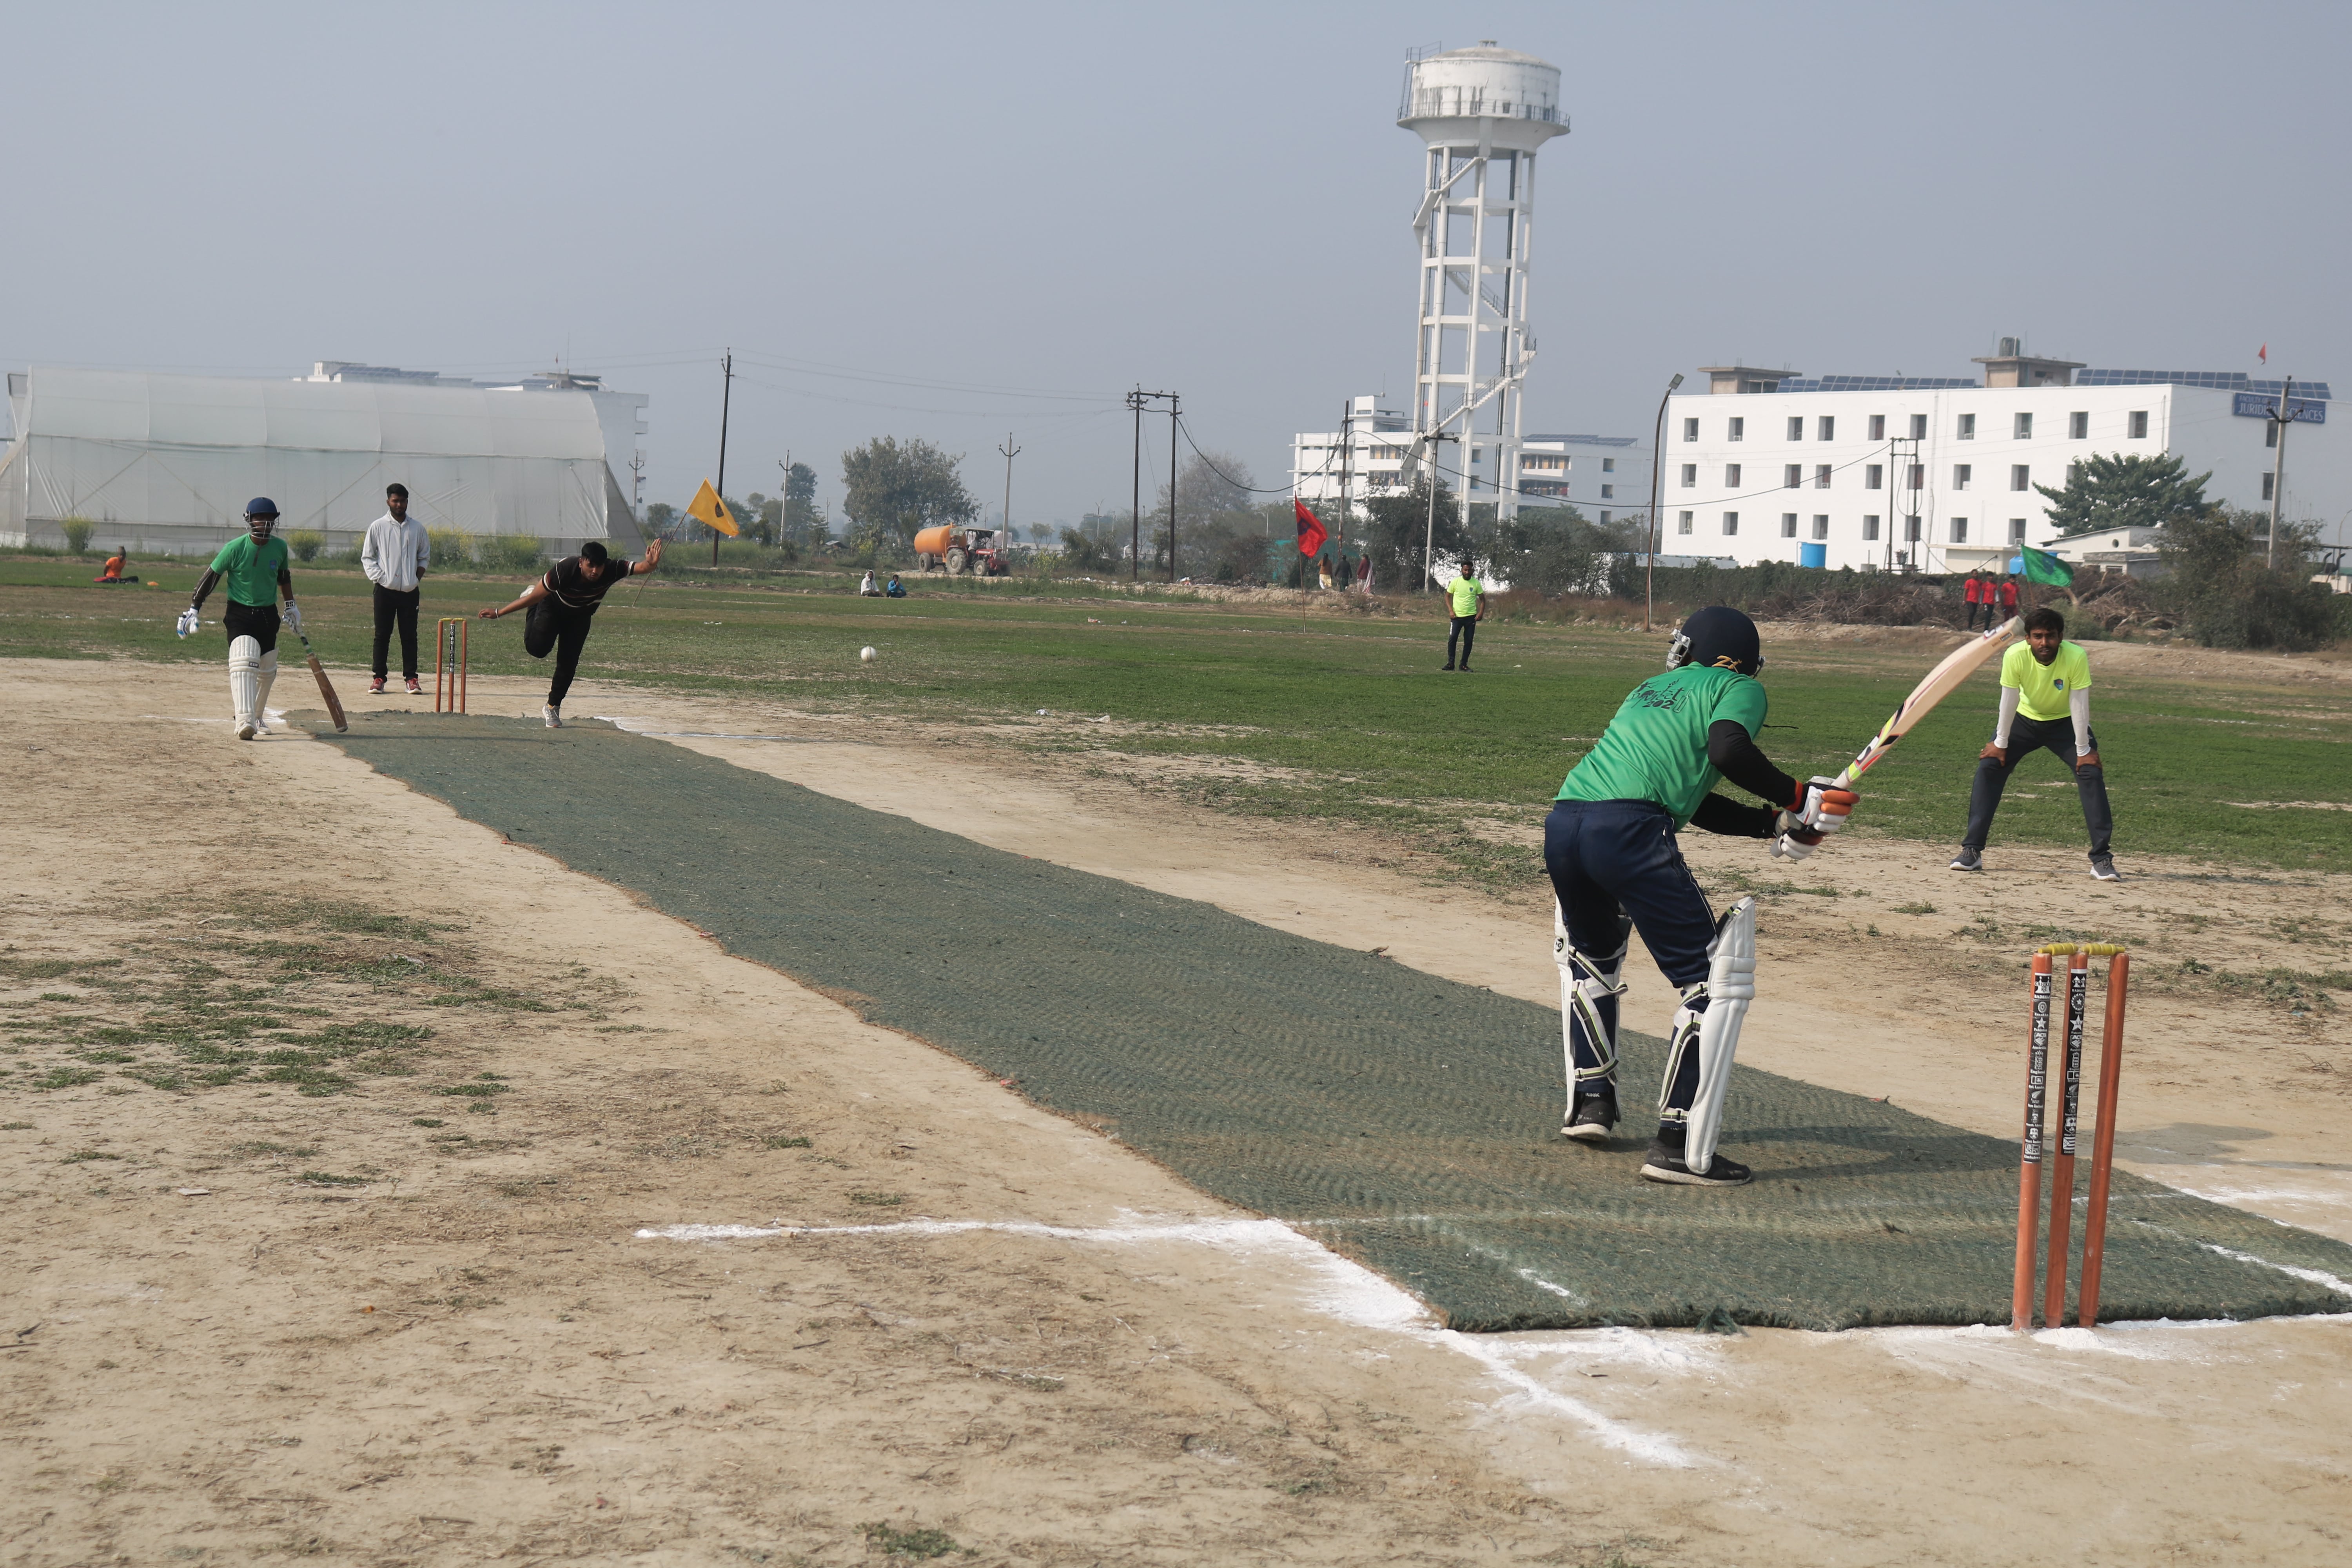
2045 701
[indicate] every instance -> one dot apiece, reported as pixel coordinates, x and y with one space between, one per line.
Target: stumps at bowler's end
2062 1168
449 634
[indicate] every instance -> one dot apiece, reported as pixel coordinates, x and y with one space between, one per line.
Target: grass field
1331 720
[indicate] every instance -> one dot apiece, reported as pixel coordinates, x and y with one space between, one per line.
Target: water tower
1483 112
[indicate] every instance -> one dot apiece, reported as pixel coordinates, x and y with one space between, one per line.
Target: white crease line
1353 1293
2309 1276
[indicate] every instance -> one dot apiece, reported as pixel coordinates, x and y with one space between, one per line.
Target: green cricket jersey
1655 747
250 571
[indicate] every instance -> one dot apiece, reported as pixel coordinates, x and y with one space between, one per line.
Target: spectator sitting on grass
895 590
114 566
866 588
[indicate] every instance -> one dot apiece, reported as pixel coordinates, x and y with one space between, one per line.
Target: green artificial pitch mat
1408 1122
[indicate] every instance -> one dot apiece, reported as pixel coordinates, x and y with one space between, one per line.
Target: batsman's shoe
1594 1119
554 716
415 690
1665 1164
2103 867
1968 860
245 731
375 687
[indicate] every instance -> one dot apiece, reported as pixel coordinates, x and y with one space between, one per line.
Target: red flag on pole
1311 534
2266 354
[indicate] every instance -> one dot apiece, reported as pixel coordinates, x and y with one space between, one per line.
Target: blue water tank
1814 555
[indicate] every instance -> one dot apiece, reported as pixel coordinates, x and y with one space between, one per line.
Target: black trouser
547 625
258 622
392 606
1465 630
2025 737
1973 608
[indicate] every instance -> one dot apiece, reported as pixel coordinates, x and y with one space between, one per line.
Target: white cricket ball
866 656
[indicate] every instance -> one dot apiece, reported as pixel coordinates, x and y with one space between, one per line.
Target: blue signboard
2256 406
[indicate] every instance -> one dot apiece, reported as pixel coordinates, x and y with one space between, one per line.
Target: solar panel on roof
2211 380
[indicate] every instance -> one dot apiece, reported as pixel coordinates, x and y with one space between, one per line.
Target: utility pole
637 481
785 506
1173 407
1347 455
1429 538
1135 513
2280 420
1657 453
726 397
1135 401
1011 452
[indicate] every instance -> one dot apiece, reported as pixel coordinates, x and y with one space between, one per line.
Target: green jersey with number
250 571
1655 747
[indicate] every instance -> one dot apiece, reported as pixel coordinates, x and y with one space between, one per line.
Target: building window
1793 477
2270 433
1874 477
1690 476
1961 474
1796 427
1918 475
1731 523
2017 531
1968 431
2078 427
1820 476
1959 531
1911 529
1608 493
1604 519
1690 429
1608 465
1821 525
1682 522
2021 477
2140 425
1919 427
1825 427
1870 525
2025 431
1731 476
1738 431
1878 426
2073 474
1788 525
2268 481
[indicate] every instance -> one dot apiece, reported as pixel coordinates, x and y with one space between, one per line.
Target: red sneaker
375 687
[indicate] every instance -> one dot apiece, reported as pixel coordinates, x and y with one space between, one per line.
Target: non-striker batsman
1616 867
255 570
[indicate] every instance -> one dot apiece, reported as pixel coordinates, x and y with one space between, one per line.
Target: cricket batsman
1616 867
255 569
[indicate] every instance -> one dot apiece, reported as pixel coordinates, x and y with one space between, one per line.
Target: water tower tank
1482 113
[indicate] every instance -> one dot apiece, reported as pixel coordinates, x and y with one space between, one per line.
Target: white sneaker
554 716
245 731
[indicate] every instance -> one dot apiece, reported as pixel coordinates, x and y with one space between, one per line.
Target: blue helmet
261 506
1718 638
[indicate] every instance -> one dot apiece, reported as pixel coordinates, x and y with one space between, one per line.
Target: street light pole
1657 453
1429 534
2279 421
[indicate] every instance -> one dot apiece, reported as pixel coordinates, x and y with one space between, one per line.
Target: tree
661 518
1554 550
804 522
893 490
1398 526
1084 552
1039 531
2216 583
2135 491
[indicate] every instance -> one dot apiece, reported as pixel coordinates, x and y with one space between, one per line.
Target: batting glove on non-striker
292 615
187 622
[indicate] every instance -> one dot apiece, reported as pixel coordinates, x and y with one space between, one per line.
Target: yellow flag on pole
709 508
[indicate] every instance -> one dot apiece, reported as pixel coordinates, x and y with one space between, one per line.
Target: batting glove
187 622
1823 808
1797 844
292 615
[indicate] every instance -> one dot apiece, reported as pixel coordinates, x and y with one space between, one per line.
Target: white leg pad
261 692
245 679
1730 987
1590 986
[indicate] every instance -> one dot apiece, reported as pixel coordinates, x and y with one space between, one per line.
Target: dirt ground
541 1272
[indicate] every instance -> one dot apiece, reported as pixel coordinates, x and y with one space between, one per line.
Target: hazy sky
901 217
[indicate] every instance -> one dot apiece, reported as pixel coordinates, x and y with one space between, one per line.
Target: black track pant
549 626
392 606
1464 631
2027 736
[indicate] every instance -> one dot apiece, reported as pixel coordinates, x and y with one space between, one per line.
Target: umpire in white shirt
394 556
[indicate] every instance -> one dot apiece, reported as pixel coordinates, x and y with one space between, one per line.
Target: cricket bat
1940 683
326 688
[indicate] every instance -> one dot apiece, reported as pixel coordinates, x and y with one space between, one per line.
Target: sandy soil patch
951 1311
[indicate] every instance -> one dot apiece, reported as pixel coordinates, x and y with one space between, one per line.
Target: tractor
957 548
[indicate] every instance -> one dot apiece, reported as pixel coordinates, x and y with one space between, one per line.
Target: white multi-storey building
1930 474
1607 478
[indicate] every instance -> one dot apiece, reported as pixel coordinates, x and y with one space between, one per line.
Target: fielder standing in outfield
563 604
255 569
1469 596
394 556
1615 868
2045 701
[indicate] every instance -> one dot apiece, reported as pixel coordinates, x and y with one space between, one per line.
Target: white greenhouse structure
165 464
